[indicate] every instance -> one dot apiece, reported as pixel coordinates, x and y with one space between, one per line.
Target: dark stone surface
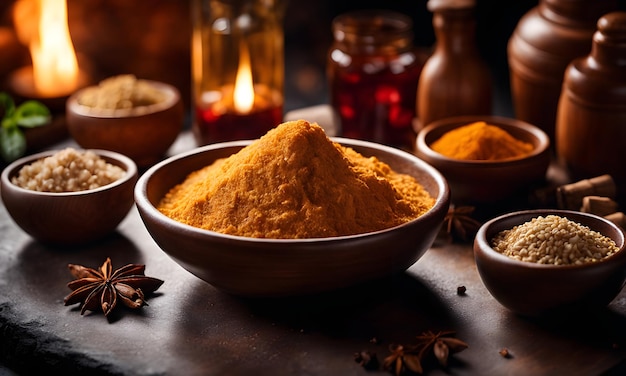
191 328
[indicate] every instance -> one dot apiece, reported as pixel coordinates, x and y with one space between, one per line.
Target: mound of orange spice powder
294 182
480 141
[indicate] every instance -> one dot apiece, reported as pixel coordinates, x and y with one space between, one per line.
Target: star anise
101 288
403 358
459 223
441 344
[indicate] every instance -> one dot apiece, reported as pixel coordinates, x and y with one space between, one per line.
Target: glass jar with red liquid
373 70
238 68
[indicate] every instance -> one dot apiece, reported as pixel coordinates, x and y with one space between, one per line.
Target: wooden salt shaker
591 116
455 80
544 41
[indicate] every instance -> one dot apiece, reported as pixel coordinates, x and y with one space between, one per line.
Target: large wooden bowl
279 267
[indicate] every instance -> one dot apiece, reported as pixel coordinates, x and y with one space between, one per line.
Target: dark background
151 39
496 21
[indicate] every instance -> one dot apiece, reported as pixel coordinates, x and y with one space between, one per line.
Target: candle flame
55 66
244 87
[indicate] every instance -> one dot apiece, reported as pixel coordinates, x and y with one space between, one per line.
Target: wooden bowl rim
486 232
172 98
115 158
141 197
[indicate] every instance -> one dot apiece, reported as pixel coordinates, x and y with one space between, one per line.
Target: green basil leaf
12 144
33 121
9 123
7 103
32 114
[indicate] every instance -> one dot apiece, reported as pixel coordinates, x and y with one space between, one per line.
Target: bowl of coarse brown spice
135 117
294 212
485 159
69 196
545 262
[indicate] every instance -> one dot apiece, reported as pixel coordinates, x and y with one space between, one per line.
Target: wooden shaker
591 116
544 41
455 80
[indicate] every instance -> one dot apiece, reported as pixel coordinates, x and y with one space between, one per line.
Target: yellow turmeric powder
480 141
294 182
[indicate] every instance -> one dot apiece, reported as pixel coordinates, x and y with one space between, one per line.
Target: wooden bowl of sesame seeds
71 196
545 262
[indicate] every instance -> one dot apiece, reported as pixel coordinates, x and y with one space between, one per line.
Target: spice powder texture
480 141
294 182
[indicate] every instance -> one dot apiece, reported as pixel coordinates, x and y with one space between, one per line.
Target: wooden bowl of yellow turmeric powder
294 212
486 159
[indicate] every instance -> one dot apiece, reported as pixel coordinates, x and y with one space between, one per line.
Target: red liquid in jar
377 107
211 128
373 70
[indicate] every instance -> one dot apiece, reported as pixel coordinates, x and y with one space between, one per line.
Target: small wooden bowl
538 289
480 182
256 267
142 133
69 218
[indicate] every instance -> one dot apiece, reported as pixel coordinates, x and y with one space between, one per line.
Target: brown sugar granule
504 352
294 182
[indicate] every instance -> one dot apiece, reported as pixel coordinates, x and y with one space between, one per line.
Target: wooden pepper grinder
455 80
591 116
544 41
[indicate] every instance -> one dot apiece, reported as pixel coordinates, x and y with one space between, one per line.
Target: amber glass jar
373 69
544 41
237 68
455 80
591 116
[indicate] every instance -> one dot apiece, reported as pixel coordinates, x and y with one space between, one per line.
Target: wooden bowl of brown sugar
535 262
70 196
265 267
474 162
135 117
